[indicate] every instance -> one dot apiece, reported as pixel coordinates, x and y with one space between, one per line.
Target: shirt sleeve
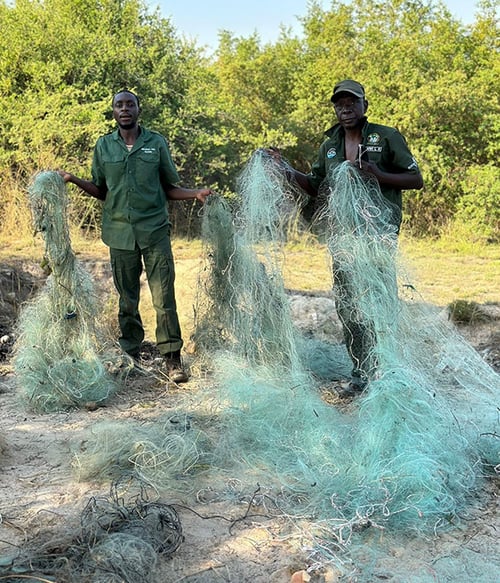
318 169
98 177
402 158
168 171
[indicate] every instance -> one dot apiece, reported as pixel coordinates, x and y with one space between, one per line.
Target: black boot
175 370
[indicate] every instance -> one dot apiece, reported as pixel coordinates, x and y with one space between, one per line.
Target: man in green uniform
133 173
381 152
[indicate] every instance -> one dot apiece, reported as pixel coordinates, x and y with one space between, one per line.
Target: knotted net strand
60 353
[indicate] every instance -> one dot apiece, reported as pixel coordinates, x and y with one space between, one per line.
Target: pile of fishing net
164 453
118 542
408 455
60 354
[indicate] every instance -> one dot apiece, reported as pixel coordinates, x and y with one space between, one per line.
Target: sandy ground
239 542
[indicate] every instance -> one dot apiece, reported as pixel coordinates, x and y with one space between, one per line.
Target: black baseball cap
348 86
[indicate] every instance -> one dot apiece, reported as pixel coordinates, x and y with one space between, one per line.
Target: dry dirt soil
40 499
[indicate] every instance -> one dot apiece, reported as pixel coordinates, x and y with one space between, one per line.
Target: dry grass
443 272
448 270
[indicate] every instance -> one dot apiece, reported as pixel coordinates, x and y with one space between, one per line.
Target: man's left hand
201 195
369 168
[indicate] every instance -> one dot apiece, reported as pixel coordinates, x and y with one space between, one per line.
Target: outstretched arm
86 185
400 180
180 193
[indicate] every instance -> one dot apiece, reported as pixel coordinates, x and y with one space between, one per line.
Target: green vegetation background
425 72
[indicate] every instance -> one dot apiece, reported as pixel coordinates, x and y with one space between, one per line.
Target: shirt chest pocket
374 153
146 168
114 170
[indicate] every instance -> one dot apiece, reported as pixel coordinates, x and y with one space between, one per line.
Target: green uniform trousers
362 330
127 268
359 334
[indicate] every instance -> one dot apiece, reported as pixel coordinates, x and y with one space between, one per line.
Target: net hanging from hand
404 456
59 355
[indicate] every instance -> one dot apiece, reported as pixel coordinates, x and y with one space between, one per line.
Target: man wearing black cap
381 152
384 151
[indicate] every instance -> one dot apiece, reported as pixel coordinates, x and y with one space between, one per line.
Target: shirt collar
141 138
337 128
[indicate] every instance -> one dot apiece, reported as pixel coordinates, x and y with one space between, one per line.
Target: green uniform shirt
135 209
383 145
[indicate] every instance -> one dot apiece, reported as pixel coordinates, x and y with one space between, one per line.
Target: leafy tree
478 210
425 73
60 63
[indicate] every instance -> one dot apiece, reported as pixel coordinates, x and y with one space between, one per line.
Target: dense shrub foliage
426 73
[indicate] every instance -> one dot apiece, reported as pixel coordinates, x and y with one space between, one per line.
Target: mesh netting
411 450
119 541
407 453
59 352
163 454
424 367
245 296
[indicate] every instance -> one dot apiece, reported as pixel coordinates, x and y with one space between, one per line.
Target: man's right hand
86 185
66 176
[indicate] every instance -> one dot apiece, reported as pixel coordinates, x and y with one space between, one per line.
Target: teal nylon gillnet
420 356
412 449
402 457
59 354
245 291
407 454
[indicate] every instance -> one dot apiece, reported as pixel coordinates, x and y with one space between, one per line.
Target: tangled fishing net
118 542
406 456
59 354
423 433
245 292
163 454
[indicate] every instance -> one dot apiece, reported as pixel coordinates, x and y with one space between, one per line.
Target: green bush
478 210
